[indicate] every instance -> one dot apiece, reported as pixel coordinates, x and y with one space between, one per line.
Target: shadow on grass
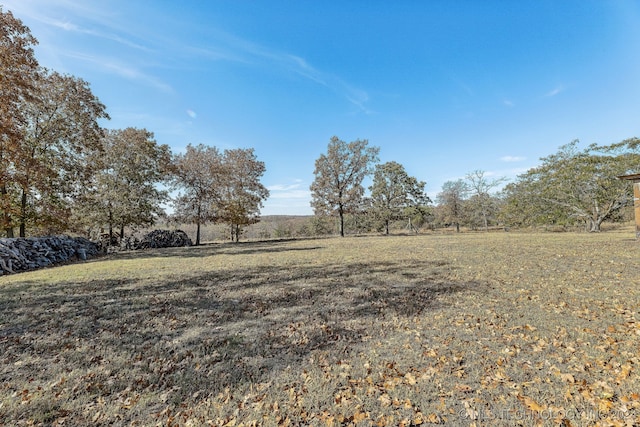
210 249
201 335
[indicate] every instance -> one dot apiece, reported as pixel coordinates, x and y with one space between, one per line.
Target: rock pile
164 239
22 254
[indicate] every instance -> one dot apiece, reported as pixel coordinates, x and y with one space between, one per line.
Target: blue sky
442 87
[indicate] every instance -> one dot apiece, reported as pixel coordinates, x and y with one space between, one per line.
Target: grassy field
472 329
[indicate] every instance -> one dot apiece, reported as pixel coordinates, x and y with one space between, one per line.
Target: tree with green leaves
482 204
575 186
18 75
394 192
337 187
198 176
59 140
451 201
124 190
242 193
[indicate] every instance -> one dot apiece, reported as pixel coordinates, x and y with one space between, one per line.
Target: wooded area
572 188
60 171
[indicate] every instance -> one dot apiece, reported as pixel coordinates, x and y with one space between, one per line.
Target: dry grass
485 329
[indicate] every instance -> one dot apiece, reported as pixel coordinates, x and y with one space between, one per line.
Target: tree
451 200
242 193
481 202
575 185
393 192
337 187
18 73
124 190
198 175
59 136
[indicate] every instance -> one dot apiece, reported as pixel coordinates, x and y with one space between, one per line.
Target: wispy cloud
508 103
68 26
463 85
288 199
292 194
512 159
229 47
127 71
294 190
94 20
555 91
293 63
283 187
213 53
64 15
357 97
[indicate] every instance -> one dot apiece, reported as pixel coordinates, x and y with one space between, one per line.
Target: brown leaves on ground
476 329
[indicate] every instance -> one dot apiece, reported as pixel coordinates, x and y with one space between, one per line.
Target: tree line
573 187
61 171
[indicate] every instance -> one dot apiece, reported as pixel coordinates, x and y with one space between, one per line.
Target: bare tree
337 187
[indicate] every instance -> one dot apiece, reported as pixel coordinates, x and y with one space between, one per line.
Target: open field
472 329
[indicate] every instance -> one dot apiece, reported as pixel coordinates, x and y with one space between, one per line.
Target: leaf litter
473 329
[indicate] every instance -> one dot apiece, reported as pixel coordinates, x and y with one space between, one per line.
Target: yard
470 329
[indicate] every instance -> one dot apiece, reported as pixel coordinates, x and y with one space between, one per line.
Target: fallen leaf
530 404
433 419
385 400
411 380
359 416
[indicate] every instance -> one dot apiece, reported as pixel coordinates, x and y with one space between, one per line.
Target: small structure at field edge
635 178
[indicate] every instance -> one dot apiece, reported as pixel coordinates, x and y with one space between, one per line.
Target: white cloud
511 159
291 194
508 103
95 20
558 89
69 11
123 70
289 191
285 187
233 48
288 199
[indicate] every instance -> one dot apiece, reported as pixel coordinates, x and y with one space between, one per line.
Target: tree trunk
341 213
23 214
386 226
198 226
457 227
7 215
237 232
122 232
110 224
